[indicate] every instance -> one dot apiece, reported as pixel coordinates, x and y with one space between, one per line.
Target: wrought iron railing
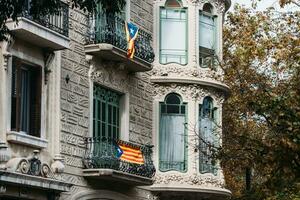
58 22
102 153
109 28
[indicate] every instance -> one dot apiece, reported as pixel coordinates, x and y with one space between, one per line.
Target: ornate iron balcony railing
58 22
109 28
102 153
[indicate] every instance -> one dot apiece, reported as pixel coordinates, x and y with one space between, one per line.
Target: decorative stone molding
152 197
32 166
6 47
2 189
219 5
5 155
108 74
192 180
58 166
193 72
191 92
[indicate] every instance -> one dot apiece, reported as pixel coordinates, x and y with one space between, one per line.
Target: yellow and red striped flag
131 154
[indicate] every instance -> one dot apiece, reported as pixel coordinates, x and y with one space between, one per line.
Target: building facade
81 120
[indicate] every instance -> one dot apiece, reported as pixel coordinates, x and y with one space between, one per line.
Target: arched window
173 4
172 152
173 33
207 135
207 36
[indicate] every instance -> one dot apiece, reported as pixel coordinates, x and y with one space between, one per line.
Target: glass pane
25 101
109 111
163 108
173 109
173 99
182 109
103 112
207 32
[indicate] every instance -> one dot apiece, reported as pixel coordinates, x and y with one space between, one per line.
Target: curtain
173 36
206 134
172 155
207 32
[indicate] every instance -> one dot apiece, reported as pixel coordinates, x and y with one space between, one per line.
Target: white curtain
206 134
173 36
207 32
172 142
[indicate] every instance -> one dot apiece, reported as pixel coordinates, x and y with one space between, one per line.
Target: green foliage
262 115
11 9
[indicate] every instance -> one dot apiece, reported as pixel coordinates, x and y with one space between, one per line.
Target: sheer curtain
172 142
173 41
207 32
206 134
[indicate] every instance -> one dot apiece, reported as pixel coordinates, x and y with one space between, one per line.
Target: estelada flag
131 34
130 154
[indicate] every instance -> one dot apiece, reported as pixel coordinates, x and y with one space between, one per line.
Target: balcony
46 31
107 39
102 161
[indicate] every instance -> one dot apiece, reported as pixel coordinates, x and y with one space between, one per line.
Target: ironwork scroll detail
101 152
109 28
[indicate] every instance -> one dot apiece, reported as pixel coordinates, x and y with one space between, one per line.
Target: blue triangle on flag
132 29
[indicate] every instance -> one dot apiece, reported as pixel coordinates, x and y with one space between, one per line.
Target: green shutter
106 118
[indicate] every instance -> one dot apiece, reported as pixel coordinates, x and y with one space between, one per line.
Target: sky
264 4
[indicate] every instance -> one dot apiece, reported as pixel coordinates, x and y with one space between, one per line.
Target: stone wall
75 108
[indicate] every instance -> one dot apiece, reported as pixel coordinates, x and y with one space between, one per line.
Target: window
208 136
173 33
207 37
172 151
26 98
106 117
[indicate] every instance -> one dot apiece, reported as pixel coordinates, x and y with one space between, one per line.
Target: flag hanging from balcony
130 154
131 34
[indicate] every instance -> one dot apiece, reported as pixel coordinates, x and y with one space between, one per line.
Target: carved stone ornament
31 166
206 180
184 71
152 197
188 91
218 4
5 155
108 74
6 47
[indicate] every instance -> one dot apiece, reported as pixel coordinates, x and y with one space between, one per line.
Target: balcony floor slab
119 176
37 34
109 52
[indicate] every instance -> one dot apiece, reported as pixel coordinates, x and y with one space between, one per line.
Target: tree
12 9
262 115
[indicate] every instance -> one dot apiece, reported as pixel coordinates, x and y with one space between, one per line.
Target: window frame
19 64
186 30
185 133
